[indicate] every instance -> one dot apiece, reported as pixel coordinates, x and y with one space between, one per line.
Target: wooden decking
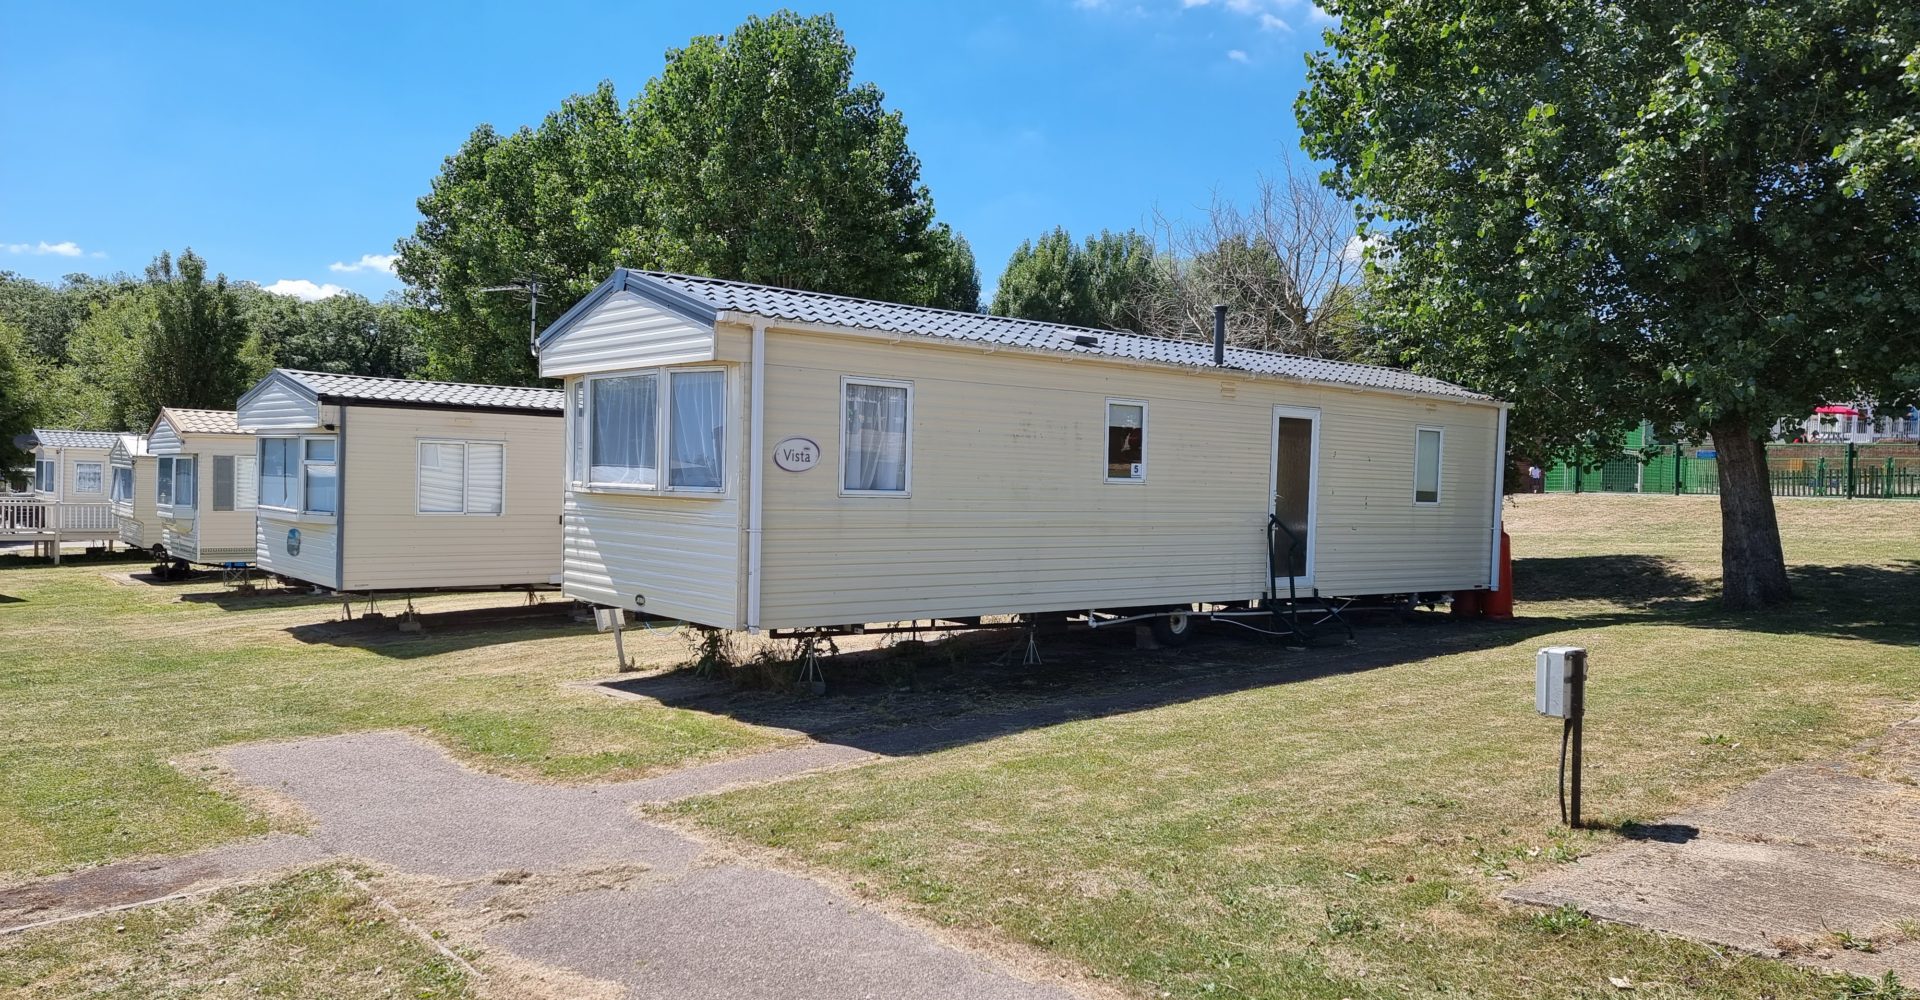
48 524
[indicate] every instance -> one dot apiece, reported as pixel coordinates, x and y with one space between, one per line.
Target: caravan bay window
876 450
319 476
630 420
296 474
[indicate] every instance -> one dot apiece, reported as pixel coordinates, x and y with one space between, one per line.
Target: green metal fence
1853 471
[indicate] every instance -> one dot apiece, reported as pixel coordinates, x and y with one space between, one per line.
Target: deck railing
30 514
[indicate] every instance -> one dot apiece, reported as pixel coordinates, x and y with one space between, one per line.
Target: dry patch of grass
314 934
1345 834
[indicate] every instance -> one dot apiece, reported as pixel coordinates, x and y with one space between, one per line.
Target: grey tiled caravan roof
925 321
56 438
410 392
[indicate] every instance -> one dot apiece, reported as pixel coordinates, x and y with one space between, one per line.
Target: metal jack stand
1031 647
810 672
410 621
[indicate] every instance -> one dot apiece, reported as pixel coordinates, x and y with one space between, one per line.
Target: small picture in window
1126 442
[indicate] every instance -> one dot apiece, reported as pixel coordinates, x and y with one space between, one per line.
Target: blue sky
288 143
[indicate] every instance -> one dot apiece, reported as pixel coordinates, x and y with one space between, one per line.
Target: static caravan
379 484
130 468
750 457
68 499
203 487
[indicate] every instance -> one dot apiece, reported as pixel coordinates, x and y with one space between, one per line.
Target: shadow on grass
18 561
443 631
966 688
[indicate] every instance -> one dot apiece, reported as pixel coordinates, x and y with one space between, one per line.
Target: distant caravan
368 485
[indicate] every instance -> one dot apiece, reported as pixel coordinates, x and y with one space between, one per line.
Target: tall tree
1624 210
1107 282
191 356
753 156
18 411
341 333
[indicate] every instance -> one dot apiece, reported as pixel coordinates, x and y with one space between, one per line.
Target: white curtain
486 478
442 478
696 428
185 489
623 443
122 483
278 471
876 438
87 477
165 466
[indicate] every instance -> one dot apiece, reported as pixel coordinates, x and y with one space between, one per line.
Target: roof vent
1086 340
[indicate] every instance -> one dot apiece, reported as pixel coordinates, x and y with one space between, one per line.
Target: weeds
1562 920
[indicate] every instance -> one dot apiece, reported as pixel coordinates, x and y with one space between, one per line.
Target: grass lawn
106 685
315 934
1345 834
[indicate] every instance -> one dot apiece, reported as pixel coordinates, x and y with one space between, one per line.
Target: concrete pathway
619 899
1783 867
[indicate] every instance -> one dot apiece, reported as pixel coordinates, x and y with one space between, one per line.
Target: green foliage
753 156
1107 283
342 333
19 404
1670 211
191 354
1698 214
1562 919
47 315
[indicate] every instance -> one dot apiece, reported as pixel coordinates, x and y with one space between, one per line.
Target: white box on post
1554 673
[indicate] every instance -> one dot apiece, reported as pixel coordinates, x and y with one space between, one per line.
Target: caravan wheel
1174 628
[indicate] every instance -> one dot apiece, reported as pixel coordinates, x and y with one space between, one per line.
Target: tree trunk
1753 570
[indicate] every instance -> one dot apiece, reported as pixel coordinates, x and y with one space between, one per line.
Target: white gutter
756 446
1499 490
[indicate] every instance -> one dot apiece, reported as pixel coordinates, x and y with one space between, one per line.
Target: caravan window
462 477
89 477
279 472
578 398
319 475
623 448
1126 441
876 449
696 429
176 481
233 482
44 475
1426 464
122 483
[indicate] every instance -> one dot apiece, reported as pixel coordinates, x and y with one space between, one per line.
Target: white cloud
1244 6
1270 23
367 262
302 289
1194 3
1237 56
65 248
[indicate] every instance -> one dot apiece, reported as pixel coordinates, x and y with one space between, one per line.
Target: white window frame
581 458
53 475
1106 430
1439 465
260 472
172 505
466 477
113 479
77 490
840 471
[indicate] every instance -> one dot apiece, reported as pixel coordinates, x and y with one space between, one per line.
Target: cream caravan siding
278 405
389 545
68 473
314 563
1010 510
213 536
625 331
681 552
139 525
